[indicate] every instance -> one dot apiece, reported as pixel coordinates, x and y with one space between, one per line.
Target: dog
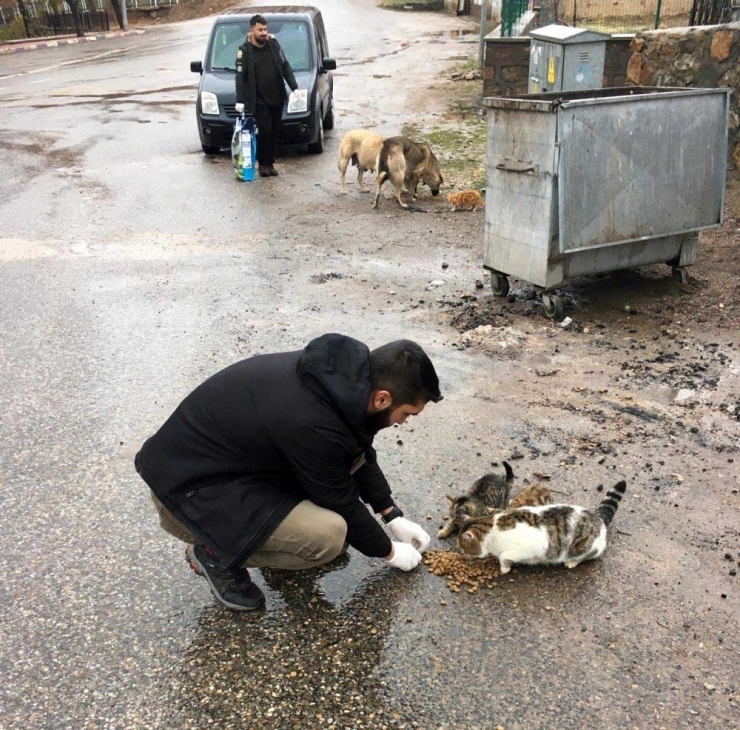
361 148
403 161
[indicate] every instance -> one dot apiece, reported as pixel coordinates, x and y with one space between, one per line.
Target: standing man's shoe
233 588
273 172
264 172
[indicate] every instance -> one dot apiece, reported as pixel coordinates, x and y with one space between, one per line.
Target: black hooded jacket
252 441
246 86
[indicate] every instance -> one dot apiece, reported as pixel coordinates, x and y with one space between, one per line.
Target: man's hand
239 108
403 556
409 532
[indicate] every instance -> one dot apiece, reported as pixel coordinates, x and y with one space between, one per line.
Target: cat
532 496
491 490
545 535
465 199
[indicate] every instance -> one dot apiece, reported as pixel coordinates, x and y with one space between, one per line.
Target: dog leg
399 185
360 173
381 179
343 170
413 183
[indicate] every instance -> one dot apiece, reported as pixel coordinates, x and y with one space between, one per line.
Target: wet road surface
133 267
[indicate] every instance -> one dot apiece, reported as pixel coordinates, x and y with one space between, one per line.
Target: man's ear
380 400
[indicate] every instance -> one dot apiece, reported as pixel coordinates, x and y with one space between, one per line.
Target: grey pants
307 537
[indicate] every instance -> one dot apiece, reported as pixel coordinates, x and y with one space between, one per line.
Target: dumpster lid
564 34
550 101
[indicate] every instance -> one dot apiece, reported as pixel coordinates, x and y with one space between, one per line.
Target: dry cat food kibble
462 571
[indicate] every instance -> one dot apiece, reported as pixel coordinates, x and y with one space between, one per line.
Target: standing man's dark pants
268 120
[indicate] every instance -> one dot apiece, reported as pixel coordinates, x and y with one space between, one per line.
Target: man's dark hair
406 372
257 20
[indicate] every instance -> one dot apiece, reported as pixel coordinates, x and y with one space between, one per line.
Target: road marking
39 81
70 63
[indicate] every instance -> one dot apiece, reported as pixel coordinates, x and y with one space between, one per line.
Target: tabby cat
491 490
550 534
466 199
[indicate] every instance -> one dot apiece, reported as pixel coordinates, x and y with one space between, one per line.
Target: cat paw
570 564
505 568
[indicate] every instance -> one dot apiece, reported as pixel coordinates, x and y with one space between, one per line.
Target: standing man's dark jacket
246 85
246 446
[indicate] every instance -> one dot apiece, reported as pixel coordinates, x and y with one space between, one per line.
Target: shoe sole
198 569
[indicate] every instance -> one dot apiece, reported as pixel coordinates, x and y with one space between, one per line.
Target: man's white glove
409 532
404 556
239 108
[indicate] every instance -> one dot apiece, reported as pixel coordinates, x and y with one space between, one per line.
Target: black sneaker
273 172
264 172
233 588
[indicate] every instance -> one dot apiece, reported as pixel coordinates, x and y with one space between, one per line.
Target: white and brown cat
546 535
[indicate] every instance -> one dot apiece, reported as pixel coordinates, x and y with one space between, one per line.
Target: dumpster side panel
519 193
645 167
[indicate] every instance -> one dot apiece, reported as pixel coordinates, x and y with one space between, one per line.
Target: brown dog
361 148
403 161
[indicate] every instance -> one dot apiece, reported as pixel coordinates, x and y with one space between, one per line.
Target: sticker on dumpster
551 71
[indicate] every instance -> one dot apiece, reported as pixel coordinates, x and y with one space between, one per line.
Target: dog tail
381 164
353 159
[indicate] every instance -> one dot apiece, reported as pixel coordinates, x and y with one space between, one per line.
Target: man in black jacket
261 73
269 463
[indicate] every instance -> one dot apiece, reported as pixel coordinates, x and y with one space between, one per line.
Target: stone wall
702 57
506 65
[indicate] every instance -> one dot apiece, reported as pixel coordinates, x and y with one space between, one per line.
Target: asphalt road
132 267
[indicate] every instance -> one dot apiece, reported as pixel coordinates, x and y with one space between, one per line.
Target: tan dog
361 148
403 161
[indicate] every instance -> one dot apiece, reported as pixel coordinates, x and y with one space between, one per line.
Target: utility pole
483 27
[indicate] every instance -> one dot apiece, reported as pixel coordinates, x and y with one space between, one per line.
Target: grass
459 141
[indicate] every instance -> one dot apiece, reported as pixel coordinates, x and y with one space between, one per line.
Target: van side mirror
328 64
196 67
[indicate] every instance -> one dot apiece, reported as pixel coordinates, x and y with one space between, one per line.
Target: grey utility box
595 181
566 59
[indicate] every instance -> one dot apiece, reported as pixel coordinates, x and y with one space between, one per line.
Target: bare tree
24 14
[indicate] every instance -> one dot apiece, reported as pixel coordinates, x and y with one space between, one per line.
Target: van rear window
293 35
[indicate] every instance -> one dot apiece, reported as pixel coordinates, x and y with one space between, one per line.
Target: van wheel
317 147
329 119
210 149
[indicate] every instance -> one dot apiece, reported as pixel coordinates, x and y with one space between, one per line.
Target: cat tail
609 506
509 471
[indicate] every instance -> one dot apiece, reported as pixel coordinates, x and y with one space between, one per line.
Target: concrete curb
33 44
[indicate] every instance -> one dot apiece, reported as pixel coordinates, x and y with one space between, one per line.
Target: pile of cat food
462 571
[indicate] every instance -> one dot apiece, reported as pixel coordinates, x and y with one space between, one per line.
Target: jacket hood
341 366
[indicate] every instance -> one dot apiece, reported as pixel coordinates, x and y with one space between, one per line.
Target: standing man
261 73
269 463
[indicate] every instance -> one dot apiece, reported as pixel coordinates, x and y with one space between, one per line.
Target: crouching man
269 463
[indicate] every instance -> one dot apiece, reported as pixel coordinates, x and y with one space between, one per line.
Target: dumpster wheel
681 275
499 284
553 306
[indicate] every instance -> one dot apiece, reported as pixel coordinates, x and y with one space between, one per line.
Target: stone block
634 68
721 45
637 44
489 73
508 54
683 62
736 156
647 78
491 89
514 74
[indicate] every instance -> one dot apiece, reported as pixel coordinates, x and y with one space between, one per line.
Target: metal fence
46 18
613 16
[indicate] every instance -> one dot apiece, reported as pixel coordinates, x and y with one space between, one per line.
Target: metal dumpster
594 181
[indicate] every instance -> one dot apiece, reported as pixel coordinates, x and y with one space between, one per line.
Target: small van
300 32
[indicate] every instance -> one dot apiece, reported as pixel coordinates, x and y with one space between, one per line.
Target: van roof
248 12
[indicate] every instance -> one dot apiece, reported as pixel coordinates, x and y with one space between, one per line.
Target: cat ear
451 498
